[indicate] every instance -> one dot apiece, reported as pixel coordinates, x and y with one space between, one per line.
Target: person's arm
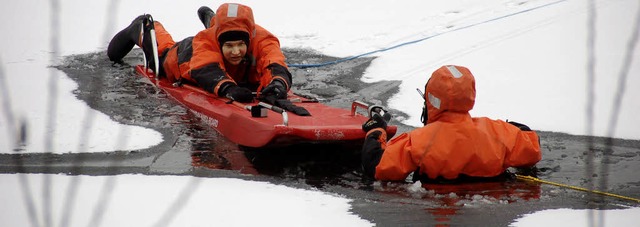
271 60
526 150
385 161
396 162
522 144
374 144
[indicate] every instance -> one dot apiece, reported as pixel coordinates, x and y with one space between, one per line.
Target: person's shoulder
483 119
263 33
209 32
486 120
427 129
205 37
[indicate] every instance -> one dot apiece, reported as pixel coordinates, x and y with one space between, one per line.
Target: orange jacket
452 142
207 62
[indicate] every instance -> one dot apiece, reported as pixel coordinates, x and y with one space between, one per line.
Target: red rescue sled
234 120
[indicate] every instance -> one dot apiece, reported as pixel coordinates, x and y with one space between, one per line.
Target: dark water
190 147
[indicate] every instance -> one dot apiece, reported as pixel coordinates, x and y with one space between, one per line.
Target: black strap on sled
287 105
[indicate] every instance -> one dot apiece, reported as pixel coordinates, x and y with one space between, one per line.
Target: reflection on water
223 159
315 164
446 201
211 150
209 160
451 198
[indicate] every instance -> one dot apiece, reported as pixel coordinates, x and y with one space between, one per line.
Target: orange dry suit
199 59
451 144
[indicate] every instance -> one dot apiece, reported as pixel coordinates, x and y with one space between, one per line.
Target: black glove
239 94
376 121
527 171
275 89
522 127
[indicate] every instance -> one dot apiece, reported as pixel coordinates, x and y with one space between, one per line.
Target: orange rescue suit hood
450 89
234 17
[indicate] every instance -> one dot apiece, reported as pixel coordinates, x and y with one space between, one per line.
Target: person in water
451 145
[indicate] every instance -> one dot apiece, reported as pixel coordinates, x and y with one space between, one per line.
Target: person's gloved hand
376 121
240 94
275 89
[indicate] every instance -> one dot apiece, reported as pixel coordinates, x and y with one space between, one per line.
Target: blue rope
302 66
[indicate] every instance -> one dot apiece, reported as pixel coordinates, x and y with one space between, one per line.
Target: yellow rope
530 178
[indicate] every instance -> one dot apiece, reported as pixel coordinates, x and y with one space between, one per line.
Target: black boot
149 43
122 43
140 32
205 14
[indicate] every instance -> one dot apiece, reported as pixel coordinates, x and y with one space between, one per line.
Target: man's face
234 51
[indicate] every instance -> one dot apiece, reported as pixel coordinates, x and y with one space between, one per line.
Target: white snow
139 200
530 66
564 217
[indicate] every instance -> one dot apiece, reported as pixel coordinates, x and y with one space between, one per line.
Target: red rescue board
234 121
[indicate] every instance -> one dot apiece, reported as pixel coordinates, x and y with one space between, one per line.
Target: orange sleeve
526 150
396 162
206 51
266 48
523 146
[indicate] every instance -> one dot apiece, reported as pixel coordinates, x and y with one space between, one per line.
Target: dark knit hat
233 36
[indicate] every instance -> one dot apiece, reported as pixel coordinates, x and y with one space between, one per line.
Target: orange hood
450 89
234 17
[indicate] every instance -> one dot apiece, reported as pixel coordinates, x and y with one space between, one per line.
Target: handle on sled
256 110
371 110
285 117
356 104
